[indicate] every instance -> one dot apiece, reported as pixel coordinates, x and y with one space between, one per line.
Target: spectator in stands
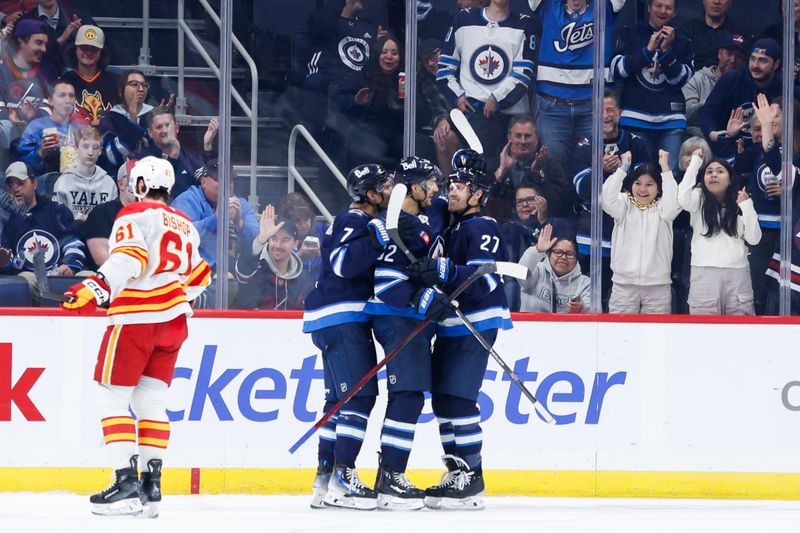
720 279
556 284
25 77
96 231
435 140
42 152
374 105
653 61
46 224
163 132
7 22
728 110
564 70
708 32
61 23
296 208
775 31
730 56
86 185
199 203
641 243
523 159
485 69
433 22
95 85
274 275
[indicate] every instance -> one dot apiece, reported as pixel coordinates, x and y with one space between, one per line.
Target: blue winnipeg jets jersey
341 46
393 292
345 279
472 241
482 58
566 56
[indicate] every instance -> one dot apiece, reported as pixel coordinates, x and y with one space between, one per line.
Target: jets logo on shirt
653 78
26 247
574 37
489 65
765 176
354 52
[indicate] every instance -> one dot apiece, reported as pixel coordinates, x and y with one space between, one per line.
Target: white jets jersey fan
154 269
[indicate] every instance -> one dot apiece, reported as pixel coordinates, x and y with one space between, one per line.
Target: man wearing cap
61 22
199 203
727 113
47 224
96 231
95 85
730 56
25 76
709 31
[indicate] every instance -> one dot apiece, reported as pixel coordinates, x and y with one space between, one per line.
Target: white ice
60 512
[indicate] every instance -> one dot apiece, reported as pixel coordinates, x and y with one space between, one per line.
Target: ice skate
151 488
396 492
346 490
123 496
466 490
320 486
433 495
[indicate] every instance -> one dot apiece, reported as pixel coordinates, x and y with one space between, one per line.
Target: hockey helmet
157 173
365 178
469 159
414 169
476 181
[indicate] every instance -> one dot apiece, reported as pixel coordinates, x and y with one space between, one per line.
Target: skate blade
128 507
150 510
433 502
387 502
473 503
342 502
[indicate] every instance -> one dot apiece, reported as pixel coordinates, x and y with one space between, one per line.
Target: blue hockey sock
464 418
327 437
351 427
397 435
440 409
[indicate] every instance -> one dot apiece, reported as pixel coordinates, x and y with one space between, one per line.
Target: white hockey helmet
156 172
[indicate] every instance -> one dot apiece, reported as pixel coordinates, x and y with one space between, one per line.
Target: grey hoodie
82 194
697 90
537 291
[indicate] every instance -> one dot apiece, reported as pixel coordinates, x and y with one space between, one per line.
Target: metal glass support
144 51
787 167
598 88
410 103
223 218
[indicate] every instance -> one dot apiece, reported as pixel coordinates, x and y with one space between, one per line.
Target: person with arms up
153 273
339 327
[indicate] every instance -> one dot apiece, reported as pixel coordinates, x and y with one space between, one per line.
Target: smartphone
311 242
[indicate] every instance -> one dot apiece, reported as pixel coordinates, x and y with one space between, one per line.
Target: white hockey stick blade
512 270
461 123
395 205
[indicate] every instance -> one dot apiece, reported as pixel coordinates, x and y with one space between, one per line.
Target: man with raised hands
153 272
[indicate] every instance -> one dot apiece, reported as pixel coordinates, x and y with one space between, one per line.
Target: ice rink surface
60 512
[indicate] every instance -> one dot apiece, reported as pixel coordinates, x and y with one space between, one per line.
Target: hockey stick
485 268
463 127
392 222
43 286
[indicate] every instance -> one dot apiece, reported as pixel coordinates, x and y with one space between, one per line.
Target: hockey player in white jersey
152 274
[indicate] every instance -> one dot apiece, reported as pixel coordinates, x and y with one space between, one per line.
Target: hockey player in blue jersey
339 327
564 70
486 68
459 361
398 306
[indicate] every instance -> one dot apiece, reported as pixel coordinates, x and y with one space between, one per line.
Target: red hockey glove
84 297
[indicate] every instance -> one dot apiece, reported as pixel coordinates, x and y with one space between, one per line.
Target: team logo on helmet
354 52
489 65
28 243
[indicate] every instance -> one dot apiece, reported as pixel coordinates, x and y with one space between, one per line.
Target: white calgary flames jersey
155 268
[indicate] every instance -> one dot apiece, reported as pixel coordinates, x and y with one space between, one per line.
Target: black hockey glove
433 305
376 230
409 229
429 272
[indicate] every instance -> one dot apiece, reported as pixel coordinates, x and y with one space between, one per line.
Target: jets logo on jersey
652 77
26 247
574 37
354 52
765 177
489 65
